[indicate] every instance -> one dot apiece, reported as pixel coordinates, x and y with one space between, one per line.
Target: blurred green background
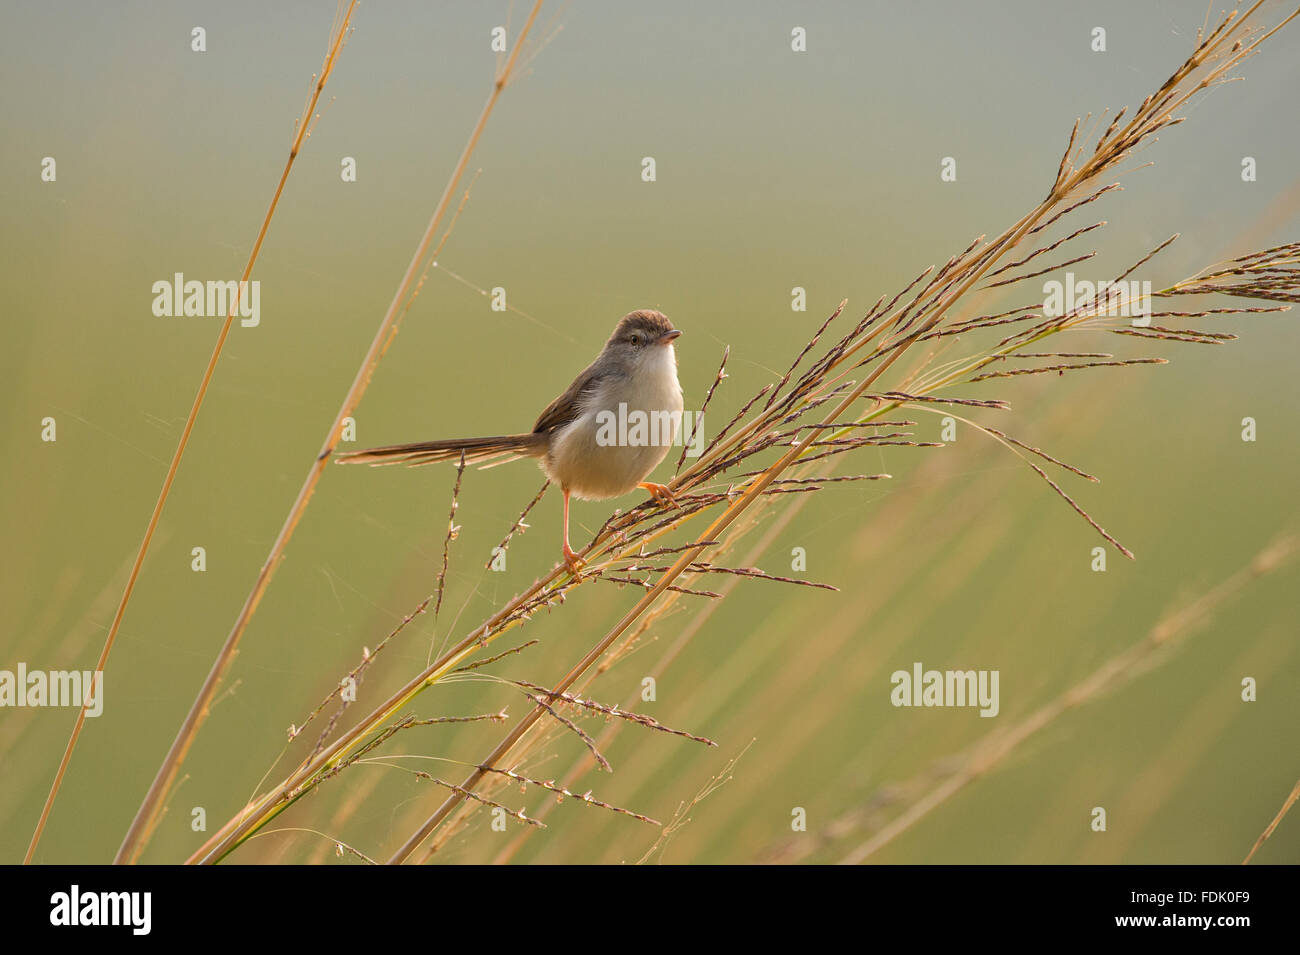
775 169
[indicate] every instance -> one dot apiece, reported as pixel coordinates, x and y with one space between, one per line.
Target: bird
600 439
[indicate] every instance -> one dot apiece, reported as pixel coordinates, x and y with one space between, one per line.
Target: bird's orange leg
571 559
660 492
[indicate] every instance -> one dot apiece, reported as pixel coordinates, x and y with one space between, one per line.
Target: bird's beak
667 337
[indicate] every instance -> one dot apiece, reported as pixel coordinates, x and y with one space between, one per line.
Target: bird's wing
569 405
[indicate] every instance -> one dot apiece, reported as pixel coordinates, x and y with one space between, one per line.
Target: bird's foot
572 560
660 492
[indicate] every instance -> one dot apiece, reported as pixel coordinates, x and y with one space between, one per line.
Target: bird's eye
635 339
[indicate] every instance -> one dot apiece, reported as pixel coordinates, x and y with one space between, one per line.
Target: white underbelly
621 436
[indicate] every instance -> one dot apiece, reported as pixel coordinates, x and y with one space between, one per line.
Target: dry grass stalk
453 531
682 817
338 34
1268 831
131 846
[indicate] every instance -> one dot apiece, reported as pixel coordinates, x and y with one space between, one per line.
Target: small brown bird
600 438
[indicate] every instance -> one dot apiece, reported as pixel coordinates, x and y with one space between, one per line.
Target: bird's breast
624 430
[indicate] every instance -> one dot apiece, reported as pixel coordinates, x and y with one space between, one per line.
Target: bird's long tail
483 451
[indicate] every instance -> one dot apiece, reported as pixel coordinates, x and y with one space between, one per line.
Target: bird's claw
572 561
660 492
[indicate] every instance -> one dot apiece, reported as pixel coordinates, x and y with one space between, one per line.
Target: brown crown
646 321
